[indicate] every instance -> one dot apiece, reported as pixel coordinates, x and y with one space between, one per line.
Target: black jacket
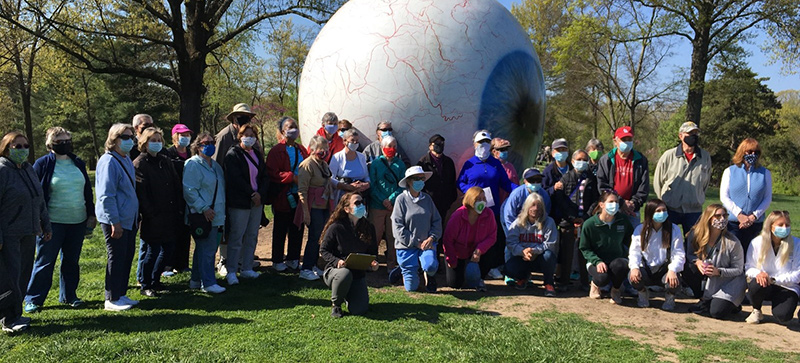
606 169
442 185
551 175
177 160
237 178
160 193
566 200
340 240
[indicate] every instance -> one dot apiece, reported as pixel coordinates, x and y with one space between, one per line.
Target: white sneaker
128 301
755 317
118 305
222 270
293 264
616 296
669 302
17 326
308 275
232 280
317 271
194 285
214 289
644 299
280 267
249 274
494 274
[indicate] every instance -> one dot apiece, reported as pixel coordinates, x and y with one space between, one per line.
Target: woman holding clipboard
348 232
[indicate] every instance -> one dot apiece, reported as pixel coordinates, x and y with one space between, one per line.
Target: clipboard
489 197
359 261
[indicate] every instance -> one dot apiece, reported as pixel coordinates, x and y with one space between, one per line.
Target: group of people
577 219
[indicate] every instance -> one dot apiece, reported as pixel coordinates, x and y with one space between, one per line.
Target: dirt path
627 320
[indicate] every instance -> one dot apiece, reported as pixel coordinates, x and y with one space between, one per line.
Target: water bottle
292 200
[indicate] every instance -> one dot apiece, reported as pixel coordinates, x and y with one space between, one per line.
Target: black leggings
616 273
784 301
283 225
566 249
495 256
654 278
720 308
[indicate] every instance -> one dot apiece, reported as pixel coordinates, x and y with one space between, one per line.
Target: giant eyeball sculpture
448 67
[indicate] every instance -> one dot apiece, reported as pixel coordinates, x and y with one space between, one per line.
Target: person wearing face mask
385 172
625 171
24 216
715 265
349 168
330 131
178 260
483 170
573 202
316 196
348 231
417 226
160 193
441 186
70 205
204 192
283 161
656 255
246 184
603 242
552 173
594 147
532 183
682 177
500 151
471 232
374 149
117 210
140 123
532 245
746 192
772 266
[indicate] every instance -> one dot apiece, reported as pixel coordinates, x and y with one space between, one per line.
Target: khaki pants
382 220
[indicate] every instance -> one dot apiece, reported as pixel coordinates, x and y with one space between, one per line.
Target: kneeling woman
471 231
715 256
656 255
417 226
603 240
532 244
773 267
346 232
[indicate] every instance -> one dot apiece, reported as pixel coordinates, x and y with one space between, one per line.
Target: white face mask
483 150
249 141
352 146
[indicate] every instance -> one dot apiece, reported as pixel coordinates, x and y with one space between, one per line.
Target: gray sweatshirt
414 220
521 237
23 210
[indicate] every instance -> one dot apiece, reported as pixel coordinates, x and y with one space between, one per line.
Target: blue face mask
561 156
385 133
184 141
782 232
331 129
126 145
209 150
341 134
660 217
155 146
626 146
503 155
612 208
418 185
580 165
533 188
360 211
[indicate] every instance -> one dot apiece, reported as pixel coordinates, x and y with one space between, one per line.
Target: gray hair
318 142
595 144
578 152
53 133
114 132
330 118
387 140
382 124
139 118
350 133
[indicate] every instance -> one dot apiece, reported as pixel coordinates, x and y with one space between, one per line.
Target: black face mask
438 148
63 149
692 140
242 120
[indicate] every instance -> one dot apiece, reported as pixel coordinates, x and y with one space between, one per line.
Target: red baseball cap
623 131
180 128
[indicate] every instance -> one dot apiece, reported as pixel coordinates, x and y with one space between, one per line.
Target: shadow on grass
422 311
119 323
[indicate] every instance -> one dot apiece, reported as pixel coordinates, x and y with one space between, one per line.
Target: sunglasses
358 203
21 146
502 149
724 215
417 178
206 143
125 137
389 129
62 142
756 152
343 130
145 126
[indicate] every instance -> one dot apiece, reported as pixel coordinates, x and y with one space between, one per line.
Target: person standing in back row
178 259
682 176
625 171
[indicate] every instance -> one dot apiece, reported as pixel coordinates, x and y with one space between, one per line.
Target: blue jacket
45 166
485 174
115 185
513 205
551 175
199 181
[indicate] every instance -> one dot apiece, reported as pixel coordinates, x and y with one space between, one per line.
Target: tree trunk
192 92
90 117
26 110
697 76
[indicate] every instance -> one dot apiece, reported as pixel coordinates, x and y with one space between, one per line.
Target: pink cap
180 128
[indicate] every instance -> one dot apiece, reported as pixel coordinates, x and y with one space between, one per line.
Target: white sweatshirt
787 276
656 255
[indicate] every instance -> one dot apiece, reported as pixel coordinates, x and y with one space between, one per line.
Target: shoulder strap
123 169
296 158
396 179
216 186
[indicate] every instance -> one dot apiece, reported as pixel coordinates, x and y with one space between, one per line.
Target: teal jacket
384 177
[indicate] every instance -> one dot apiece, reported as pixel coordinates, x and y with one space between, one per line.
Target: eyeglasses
416 178
724 215
21 146
125 137
358 203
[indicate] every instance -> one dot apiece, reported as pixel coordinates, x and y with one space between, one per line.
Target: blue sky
758 61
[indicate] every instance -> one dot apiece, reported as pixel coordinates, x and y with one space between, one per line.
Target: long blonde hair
702 230
522 217
787 244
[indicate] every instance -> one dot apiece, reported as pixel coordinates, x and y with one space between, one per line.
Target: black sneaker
336 311
430 283
148 292
701 308
395 276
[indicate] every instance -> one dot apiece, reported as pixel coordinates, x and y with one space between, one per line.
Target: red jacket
334 146
281 175
461 238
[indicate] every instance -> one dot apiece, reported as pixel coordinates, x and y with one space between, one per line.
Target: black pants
784 301
120 256
654 278
177 253
719 308
616 273
693 278
457 276
13 257
566 251
745 235
284 224
495 256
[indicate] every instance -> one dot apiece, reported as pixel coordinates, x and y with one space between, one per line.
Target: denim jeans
635 219
242 237
67 240
411 260
142 252
311 253
120 256
466 275
153 263
519 269
685 220
205 249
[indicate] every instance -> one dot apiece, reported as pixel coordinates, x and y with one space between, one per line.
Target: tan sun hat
239 109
